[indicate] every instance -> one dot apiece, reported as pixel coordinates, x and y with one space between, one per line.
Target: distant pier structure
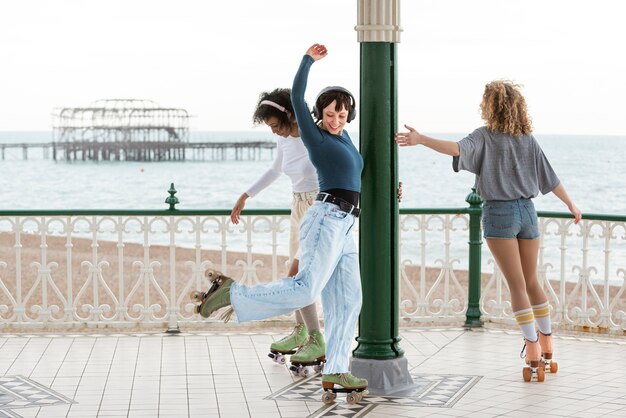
133 130
120 130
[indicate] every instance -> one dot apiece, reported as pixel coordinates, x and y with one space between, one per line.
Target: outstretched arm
559 191
413 137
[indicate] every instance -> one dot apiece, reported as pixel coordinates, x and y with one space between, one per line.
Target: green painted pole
472 316
379 221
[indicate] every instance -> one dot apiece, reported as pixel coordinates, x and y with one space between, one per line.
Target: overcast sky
213 58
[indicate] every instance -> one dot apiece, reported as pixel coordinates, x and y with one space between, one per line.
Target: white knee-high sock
526 321
542 316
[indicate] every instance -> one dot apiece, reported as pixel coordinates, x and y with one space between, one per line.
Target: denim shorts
510 219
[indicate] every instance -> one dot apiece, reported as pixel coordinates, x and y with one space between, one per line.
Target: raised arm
306 124
405 139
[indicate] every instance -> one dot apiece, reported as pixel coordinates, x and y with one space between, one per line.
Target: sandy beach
107 257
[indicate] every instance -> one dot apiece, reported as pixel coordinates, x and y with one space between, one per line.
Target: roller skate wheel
295 371
304 372
527 374
554 367
280 359
196 309
328 397
212 275
318 368
541 374
352 398
196 296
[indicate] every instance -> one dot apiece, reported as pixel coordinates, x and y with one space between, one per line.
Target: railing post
171 199
472 316
173 327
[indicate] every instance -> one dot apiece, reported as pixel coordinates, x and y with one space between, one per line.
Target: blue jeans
329 266
510 219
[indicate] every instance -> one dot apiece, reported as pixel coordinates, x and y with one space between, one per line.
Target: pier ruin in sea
193 151
120 129
131 130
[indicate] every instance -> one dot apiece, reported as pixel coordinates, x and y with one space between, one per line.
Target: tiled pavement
200 374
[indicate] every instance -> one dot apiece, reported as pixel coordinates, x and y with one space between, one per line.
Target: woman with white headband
276 111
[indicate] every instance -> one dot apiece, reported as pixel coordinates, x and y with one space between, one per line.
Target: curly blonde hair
504 108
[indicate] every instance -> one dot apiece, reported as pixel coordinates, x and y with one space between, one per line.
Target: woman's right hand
317 52
236 212
406 139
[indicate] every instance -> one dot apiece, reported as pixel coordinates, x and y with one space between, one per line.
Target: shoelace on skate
521 354
228 313
294 334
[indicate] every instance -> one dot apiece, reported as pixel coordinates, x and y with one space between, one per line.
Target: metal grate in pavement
440 390
21 392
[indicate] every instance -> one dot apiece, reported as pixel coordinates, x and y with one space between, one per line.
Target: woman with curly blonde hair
511 169
504 109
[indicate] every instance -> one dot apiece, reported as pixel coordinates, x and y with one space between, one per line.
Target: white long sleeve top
292 158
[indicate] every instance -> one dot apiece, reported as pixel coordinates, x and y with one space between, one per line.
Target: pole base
472 325
385 377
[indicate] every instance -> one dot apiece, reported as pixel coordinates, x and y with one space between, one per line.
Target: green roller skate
354 387
312 353
218 295
288 344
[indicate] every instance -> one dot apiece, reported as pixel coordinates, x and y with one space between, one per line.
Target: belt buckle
346 207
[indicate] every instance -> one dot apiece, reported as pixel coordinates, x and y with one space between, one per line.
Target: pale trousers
300 205
329 267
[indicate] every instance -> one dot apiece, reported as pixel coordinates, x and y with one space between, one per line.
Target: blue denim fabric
510 219
329 267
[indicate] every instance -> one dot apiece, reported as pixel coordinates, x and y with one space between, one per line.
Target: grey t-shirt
506 167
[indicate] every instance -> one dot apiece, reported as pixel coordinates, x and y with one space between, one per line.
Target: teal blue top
338 162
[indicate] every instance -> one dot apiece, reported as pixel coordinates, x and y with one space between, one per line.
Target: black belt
343 205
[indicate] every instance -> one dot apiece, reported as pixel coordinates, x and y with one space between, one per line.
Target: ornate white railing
432 247
123 269
581 267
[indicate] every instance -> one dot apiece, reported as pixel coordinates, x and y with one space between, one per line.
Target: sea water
591 167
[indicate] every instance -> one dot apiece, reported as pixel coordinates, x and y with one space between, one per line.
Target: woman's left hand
576 212
317 52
